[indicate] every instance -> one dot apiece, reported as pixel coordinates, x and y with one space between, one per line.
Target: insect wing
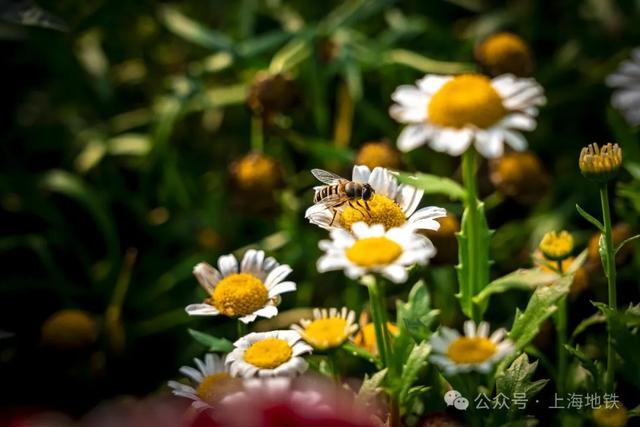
328 178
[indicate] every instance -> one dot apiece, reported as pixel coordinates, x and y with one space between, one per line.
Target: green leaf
72 186
414 320
625 241
262 43
370 388
360 352
542 304
432 184
193 31
517 379
594 319
625 342
416 361
590 218
523 279
473 281
221 345
424 64
595 368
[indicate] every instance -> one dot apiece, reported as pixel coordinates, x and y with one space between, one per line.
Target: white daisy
371 249
392 205
474 351
211 379
328 328
253 290
453 112
627 80
268 354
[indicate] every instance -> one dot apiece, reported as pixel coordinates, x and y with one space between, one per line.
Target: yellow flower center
611 417
215 386
268 353
366 338
382 210
556 246
239 294
374 251
70 329
505 53
471 350
468 99
378 154
326 333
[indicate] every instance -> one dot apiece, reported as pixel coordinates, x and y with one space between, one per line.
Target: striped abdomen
326 191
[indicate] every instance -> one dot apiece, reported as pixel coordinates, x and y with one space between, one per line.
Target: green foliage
516 379
522 279
625 341
542 304
221 345
415 363
433 184
473 280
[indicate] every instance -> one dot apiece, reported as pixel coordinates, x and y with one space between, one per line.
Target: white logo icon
455 399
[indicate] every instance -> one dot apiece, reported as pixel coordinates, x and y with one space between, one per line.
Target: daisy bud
70 330
556 246
519 175
504 53
378 154
257 172
271 94
600 164
615 416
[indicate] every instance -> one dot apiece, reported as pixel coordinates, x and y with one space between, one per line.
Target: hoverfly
337 191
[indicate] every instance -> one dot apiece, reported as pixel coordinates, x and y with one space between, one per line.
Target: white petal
227 264
201 310
425 218
469 328
408 198
281 288
192 373
432 83
395 273
330 263
383 182
408 114
493 147
410 96
267 311
483 329
515 140
413 136
207 276
277 275
452 141
360 173
519 121
626 99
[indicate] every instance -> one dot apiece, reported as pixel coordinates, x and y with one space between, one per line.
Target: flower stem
379 327
257 135
561 331
610 271
473 282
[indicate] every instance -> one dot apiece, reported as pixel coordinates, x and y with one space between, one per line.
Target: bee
337 191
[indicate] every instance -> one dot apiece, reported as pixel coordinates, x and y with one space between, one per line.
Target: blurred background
139 138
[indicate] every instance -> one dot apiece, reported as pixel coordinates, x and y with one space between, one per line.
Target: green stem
242 329
377 321
561 330
257 135
471 201
610 271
